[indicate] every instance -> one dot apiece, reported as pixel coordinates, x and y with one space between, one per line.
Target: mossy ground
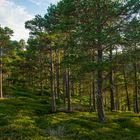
28 117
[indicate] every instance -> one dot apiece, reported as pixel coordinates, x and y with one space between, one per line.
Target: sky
14 13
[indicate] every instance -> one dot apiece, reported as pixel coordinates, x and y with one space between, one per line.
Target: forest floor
25 116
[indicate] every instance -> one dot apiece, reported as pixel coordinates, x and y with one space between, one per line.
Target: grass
28 117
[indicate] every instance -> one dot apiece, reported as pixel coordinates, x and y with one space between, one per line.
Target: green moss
26 117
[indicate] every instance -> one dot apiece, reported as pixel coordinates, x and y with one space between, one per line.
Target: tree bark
72 88
58 75
99 88
1 75
90 95
52 82
64 90
99 60
68 90
93 94
80 95
126 90
112 105
136 109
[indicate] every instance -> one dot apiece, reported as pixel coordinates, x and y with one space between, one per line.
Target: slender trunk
117 98
99 70
117 103
58 83
33 86
136 108
72 88
77 88
93 94
99 88
68 90
126 90
1 76
90 94
80 96
93 82
58 75
105 101
42 88
112 105
52 82
64 90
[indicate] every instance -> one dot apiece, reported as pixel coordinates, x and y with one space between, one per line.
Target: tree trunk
93 94
58 75
72 88
80 95
52 82
112 105
136 108
99 60
1 76
126 90
99 88
42 88
117 98
90 95
64 90
117 103
93 81
68 90
1 91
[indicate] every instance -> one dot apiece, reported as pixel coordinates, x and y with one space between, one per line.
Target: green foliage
25 115
76 42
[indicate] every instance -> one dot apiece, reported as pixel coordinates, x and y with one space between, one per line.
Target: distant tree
5 34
